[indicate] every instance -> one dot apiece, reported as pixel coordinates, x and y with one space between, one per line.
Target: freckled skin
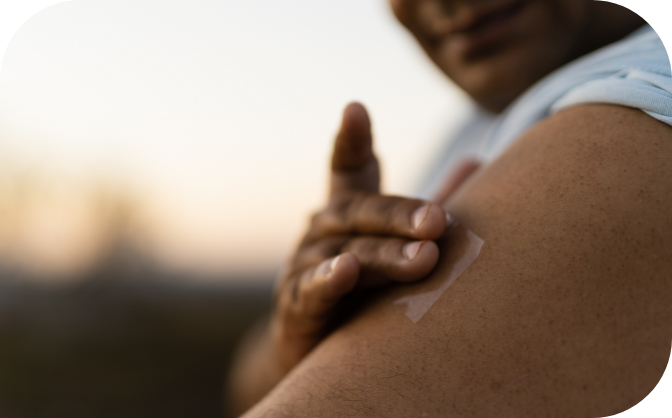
566 312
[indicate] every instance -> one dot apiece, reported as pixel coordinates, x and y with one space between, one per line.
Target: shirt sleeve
642 89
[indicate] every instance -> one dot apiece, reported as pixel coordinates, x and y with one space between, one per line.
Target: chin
495 85
497 79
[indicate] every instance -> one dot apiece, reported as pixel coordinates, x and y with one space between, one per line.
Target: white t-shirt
633 72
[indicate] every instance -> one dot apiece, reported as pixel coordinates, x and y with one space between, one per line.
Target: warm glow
210 120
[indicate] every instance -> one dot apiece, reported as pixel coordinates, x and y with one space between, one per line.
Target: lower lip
490 34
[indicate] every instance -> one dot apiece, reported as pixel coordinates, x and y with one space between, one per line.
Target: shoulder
634 72
592 161
569 297
573 282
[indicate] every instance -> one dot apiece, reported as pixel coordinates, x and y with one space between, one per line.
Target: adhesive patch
418 305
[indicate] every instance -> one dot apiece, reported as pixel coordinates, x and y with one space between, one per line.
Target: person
565 309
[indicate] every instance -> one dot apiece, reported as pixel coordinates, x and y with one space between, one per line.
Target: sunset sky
209 122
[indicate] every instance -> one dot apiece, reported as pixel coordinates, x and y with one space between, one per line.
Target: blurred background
158 161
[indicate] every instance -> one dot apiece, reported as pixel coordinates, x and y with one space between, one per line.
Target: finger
318 251
320 290
353 164
310 296
307 306
385 260
372 214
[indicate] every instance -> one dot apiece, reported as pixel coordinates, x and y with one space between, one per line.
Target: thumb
353 164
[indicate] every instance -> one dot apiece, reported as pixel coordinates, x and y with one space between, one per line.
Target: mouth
474 31
484 20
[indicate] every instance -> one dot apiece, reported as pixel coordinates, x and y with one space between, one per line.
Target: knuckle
385 214
337 217
357 216
340 212
367 249
390 210
388 251
331 219
318 251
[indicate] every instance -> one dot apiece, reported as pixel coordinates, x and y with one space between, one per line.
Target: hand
361 240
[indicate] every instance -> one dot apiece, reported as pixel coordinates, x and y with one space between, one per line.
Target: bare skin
360 241
566 312
494 50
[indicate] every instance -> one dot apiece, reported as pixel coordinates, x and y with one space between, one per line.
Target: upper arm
567 311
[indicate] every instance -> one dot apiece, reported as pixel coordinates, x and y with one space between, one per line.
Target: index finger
353 164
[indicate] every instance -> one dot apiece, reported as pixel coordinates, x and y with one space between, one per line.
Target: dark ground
127 339
120 345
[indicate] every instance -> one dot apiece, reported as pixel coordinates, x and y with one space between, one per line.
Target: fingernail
449 219
326 268
419 216
333 265
411 249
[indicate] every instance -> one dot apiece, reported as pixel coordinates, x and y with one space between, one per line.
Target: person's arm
361 240
567 311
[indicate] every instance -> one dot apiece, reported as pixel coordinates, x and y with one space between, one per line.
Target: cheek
402 10
415 15
569 11
544 39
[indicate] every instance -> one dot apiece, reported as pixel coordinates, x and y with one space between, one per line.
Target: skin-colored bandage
418 305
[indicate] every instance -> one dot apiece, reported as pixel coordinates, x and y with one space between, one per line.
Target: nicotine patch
418 305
